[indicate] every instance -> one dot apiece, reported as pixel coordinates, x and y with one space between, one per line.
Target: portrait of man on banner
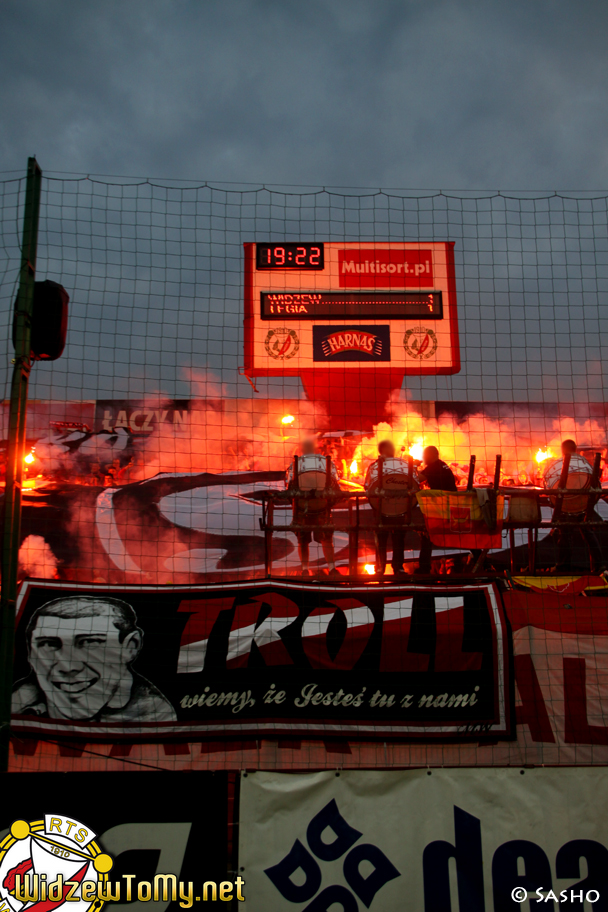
81 650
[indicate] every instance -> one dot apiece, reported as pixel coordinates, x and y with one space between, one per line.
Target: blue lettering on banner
509 887
469 867
309 874
505 877
567 864
331 818
299 876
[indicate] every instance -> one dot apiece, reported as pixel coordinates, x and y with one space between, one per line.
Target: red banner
560 663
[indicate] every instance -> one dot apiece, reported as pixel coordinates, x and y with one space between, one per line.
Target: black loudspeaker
49 321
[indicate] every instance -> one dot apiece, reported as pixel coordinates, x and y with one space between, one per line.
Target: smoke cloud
36 559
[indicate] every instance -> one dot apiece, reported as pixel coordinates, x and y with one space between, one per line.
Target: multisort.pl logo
371 267
300 878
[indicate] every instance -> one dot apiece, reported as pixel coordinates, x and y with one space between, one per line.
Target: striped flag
456 520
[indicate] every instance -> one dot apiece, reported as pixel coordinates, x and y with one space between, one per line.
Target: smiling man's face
81 664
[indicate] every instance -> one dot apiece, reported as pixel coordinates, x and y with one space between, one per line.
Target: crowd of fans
317 475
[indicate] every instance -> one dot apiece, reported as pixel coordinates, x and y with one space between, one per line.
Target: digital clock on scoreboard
290 256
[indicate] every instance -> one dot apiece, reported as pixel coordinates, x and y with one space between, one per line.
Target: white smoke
516 438
36 559
230 435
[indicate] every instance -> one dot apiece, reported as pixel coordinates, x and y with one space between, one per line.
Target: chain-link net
156 457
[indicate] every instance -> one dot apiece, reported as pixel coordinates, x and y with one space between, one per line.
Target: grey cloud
349 92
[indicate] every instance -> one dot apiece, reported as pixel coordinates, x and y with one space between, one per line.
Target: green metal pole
11 530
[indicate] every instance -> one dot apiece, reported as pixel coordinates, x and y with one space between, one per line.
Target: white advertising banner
441 840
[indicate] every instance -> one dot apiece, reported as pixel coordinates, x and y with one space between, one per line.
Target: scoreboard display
337 306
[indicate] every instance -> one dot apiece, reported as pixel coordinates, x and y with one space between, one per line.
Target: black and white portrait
81 650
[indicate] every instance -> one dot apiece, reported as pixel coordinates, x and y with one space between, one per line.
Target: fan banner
480 840
462 519
262 659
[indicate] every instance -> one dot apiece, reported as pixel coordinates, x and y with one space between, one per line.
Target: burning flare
353 467
370 569
541 455
287 419
29 458
417 448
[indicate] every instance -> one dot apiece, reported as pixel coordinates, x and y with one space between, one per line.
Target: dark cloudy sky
393 93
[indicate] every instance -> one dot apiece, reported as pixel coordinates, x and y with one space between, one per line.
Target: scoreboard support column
351 400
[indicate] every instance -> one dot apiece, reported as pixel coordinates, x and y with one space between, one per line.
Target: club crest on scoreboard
420 343
282 344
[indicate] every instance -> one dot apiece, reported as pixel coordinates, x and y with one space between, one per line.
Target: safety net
318 480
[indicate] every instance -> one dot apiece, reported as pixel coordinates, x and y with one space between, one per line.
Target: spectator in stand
566 533
437 474
605 465
95 478
393 524
115 472
439 477
314 511
124 475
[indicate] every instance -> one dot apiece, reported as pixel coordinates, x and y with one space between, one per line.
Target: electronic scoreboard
315 306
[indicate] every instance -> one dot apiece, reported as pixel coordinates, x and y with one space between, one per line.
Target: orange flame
29 458
541 455
287 419
353 467
417 448
370 569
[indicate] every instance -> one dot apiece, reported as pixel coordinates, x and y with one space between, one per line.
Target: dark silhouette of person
314 511
386 450
575 527
439 477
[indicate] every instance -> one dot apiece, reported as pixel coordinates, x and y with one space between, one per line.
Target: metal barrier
524 513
